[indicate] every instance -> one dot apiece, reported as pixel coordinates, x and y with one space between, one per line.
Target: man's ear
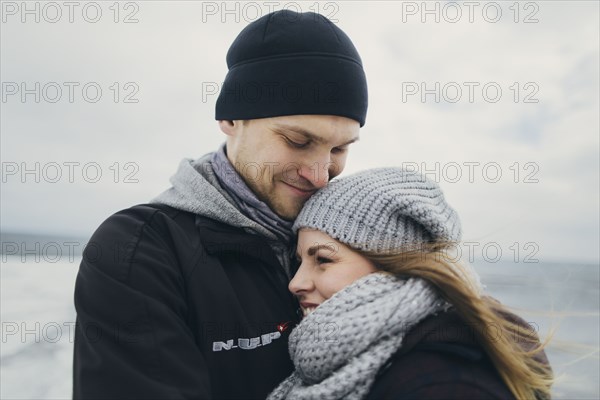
229 127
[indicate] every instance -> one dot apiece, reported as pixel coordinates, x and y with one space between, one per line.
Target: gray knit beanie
381 209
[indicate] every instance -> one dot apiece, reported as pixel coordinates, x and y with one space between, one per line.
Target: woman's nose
300 283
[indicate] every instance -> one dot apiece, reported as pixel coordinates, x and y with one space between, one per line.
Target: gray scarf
246 200
196 189
339 348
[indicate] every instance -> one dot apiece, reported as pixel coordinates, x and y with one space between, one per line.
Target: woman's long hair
515 351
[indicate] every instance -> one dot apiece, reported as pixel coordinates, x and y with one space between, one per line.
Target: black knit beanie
289 63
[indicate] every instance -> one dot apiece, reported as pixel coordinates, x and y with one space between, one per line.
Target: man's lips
308 305
302 192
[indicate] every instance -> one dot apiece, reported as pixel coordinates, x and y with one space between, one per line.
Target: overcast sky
517 87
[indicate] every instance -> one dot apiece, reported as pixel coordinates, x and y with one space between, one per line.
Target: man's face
284 160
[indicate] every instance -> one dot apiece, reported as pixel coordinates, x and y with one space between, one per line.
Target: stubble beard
287 207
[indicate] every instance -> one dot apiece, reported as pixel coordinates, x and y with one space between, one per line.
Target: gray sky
540 132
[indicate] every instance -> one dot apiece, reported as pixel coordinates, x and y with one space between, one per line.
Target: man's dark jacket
176 305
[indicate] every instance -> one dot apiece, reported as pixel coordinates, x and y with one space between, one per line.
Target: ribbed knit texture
381 209
339 348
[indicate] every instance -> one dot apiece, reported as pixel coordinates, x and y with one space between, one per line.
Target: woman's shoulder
440 359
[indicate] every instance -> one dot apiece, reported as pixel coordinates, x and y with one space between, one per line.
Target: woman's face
326 266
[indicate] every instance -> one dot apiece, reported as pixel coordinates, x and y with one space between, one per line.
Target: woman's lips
307 308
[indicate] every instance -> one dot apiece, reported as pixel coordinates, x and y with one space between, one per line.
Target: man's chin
288 209
289 213
289 216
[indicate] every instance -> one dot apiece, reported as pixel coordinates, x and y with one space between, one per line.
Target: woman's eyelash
319 259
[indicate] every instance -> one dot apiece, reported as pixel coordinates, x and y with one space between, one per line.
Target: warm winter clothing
385 209
339 348
440 359
393 334
246 200
386 338
289 63
197 189
185 298
382 209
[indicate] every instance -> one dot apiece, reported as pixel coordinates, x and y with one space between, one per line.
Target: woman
388 312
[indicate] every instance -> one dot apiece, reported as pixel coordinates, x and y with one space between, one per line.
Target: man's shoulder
129 223
144 238
162 224
132 220
144 213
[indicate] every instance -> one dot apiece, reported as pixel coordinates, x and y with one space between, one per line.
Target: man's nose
316 171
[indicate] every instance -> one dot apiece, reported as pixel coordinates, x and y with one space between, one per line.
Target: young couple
197 294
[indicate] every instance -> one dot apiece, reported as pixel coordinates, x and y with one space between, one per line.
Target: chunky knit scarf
339 348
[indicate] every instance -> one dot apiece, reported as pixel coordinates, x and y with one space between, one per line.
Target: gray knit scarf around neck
339 348
246 200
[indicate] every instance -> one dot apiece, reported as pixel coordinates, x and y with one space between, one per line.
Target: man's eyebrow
309 135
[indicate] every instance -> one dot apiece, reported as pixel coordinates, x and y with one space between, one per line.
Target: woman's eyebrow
313 249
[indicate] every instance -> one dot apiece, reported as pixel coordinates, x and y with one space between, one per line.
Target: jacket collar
220 238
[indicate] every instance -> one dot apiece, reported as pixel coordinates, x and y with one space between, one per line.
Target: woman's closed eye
323 260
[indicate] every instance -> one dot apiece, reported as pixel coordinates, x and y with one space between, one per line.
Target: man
186 297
